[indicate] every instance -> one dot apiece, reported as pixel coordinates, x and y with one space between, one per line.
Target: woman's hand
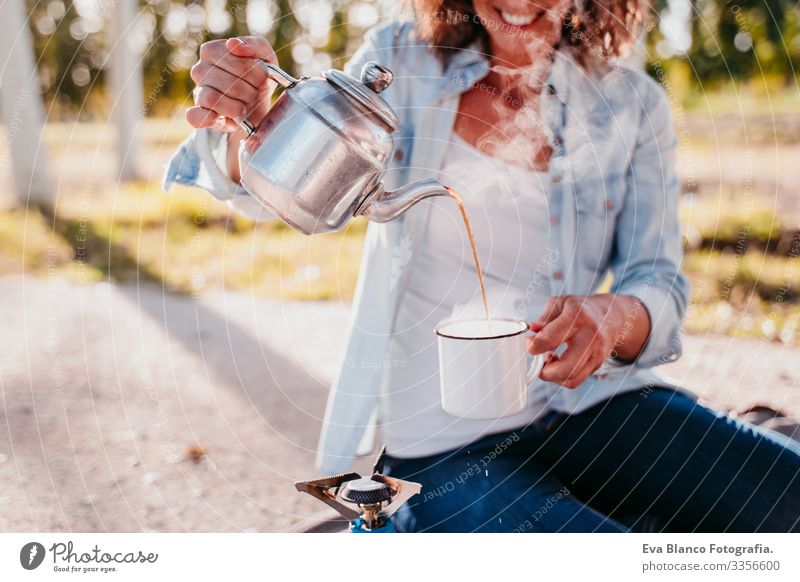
230 86
594 327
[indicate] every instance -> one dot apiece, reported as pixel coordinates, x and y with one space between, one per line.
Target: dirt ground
109 391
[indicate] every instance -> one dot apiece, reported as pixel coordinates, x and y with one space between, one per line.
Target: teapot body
318 159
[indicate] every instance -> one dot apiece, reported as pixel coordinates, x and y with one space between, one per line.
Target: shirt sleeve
648 247
199 162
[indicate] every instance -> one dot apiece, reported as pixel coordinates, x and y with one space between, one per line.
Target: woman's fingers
209 98
231 83
570 376
576 364
253 47
216 54
200 117
580 322
554 332
204 75
551 310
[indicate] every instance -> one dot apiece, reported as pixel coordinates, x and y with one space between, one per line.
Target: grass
185 241
753 294
743 281
742 260
189 243
733 221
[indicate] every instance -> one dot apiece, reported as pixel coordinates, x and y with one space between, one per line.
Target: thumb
253 47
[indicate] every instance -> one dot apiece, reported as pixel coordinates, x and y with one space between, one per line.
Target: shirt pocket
598 202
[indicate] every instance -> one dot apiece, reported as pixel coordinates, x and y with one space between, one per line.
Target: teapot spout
383 206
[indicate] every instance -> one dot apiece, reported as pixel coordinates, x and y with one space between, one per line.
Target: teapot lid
374 79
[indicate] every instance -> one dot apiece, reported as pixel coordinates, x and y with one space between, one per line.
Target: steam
518 135
519 131
504 304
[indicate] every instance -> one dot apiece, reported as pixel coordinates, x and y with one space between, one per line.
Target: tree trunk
21 105
126 84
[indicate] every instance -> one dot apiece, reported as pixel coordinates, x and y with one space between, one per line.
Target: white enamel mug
483 368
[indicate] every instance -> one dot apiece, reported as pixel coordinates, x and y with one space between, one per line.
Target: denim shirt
612 197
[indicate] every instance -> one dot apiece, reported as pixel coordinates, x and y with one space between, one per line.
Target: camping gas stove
366 502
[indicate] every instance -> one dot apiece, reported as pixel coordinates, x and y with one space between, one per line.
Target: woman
565 161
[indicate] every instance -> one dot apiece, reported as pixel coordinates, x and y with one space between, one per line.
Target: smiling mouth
518 20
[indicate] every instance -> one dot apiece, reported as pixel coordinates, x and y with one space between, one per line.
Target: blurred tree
731 39
68 50
283 34
338 37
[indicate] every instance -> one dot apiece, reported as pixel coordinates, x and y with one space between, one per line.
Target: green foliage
734 223
72 44
739 40
72 48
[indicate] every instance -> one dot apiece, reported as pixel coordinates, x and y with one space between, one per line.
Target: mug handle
535 368
278 75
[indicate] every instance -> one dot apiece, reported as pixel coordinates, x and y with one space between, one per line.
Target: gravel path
109 391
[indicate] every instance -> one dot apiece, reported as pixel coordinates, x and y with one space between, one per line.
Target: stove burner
365 491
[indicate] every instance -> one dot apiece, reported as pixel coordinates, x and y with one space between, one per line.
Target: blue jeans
641 461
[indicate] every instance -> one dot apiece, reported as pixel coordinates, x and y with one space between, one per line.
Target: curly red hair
598 30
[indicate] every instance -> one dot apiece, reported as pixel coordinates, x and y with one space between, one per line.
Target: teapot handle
275 73
278 75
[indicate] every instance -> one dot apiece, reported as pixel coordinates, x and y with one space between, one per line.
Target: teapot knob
376 77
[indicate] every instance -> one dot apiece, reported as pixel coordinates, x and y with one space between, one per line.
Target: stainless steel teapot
321 149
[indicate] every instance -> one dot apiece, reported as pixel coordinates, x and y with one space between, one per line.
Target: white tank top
508 209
